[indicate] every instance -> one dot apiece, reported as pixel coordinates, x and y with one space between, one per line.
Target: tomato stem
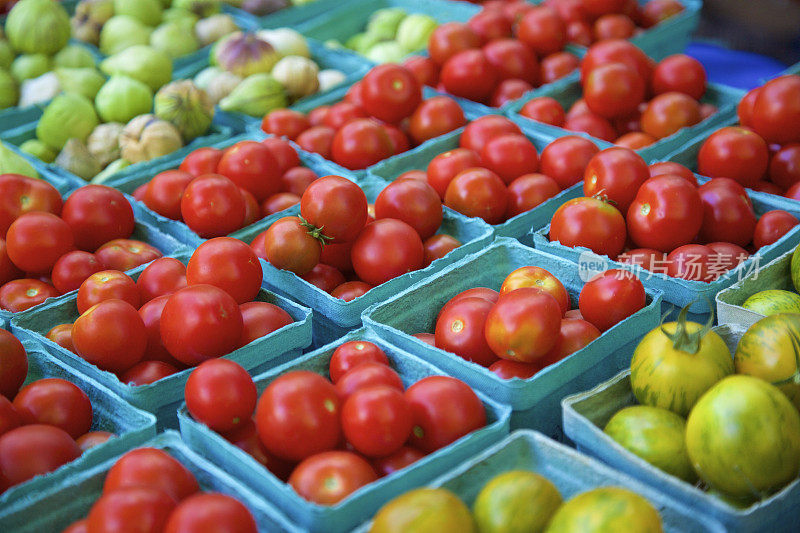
682 340
315 231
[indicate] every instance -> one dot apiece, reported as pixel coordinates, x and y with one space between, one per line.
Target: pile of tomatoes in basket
43 425
327 437
382 115
153 489
628 100
663 219
50 246
174 315
764 152
529 325
216 192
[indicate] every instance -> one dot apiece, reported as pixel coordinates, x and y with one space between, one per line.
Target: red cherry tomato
424 69
201 161
591 124
469 74
414 202
221 394
725 256
341 113
146 372
735 153
596 8
784 168
478 192
544 109
776 112
20 194
92 439
290 246
151 316
253 167
55 402
385 249
62 335
591 223
510 156
565 159
670 167
523 325
21 294
126 254
297 179
507 369
657 11
727 212
377 420
390 93
9 271
635 140
669 112
361 143
164 192
438 246
490 25
460 330
611 297
73 268
449 39
110 335
317 139
556 66
543 30
538 278
261 319
613 26
480 131
151 468
434 117
366 375
329 477
35 241
690 262
616 51
228 264
107 285
513 60
13 364
616 173
400 459
613 90
574 335
163 276
33 450
444 167
680 73
204 512
351 354
528 191
284 123
324 277
337 206
213 206
98 214
772 226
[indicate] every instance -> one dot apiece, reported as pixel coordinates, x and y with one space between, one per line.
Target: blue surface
744 70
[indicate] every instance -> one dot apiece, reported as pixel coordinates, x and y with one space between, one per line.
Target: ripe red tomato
635 140
507 369
556 66
72 269
544 109
680 73
669 112
589 222
460 330
611 297
151 468
377 420
574 335
107 285
92 439
596 8
579 32
445 409
449 39
538 278
98 214
201 161
151 316
414 202
427 338
261 319
480 131
735 153
745 108
284 123
591 124
341 113
478 192
366 375
296 180
213 206
510 156
438 246
297 416
9 419
21 294
55 402
772 226
284 153
118 510
33 450
724 256
204 512
335 205
512 60
390 93
616 51
329 477
613 26
221 394
424 69
278 202
351 354
616 173
444 167
400 459
565 159
228 264
317 139
13 364
690 262
163 276
528 191
164 192
613 90
670 167
291 246
146 372
8 270
400 141
385 249
485 293
434 117
784 168
776 112
110 335
20 194
728 214
469 74
324 277
543 30
200 322
666 213
125 254
509 90
35 241
62 335
361 143
490 25
252 211
523 325
657 11
253 167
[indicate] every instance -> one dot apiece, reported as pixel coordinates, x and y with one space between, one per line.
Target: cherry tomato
253 167
538 278
528 191
400 459
596 8
200 322
523 325
444 167
657 11
460 329
613 90
245 437
335 205
213 206
784 168
434 117
151 316
544 109
591 124
438 246
324 277
772 226
366 375
338 256
55 402
512 60
163 276
20 194
616 51
589 222
424 69
676 169
543 30
361 143
669 112
556 66
579 32
297 179
252 211
261 319
574 335
793 192
377 420
164 192
119 510
727 212
469 74
351 354
480 131
221 394
390 93
680 73
510 156
616 173
445 409
507 369
284 123
201 161
341 113
93 438
449 39
146 372
210 510
228 264
611 297
400 141
110 335
317 139
414 202
666 213
279 202
297 415
776 112
745 108
126 254
107 285
427 338
509 90
724 256
613 26
635 140
33 450
73 268
35 241
478 192
735 153
329 477
490 25
8 270
21 294
98 214
690 262
768 187
62 335
13 364
151 468
139 192
485 293
385 249
566 158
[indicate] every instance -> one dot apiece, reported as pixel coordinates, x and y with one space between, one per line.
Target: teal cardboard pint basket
536 400
109 413
362 503
72 499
